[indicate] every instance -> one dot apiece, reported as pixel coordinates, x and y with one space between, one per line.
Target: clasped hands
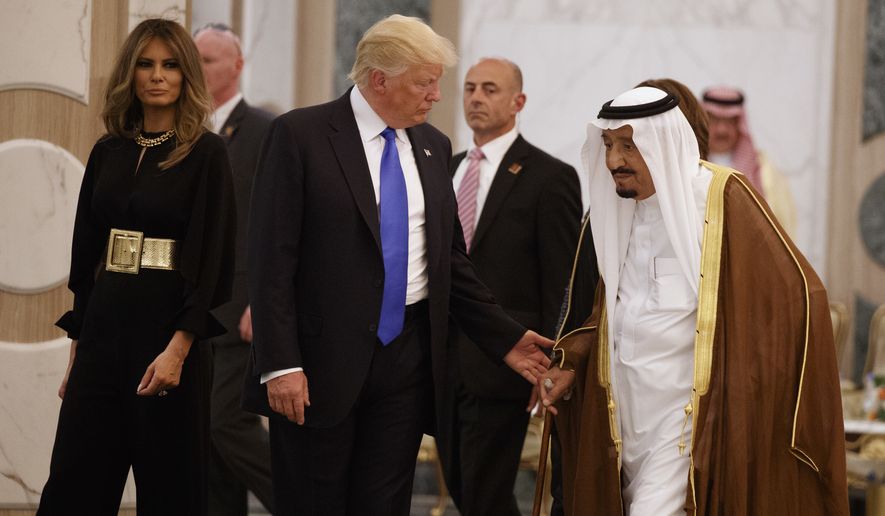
288 394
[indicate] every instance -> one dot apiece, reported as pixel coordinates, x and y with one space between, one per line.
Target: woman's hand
64 381
165 371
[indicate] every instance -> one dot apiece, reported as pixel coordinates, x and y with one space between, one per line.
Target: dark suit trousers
487 444
240 444
365 464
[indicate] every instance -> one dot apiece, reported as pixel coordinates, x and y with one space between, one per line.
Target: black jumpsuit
123 321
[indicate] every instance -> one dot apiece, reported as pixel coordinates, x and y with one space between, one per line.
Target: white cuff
266 377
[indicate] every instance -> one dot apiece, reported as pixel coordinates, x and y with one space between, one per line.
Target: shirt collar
494 150
648 209
368 122
222 112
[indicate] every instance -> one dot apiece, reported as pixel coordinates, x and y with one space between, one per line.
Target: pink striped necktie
467 195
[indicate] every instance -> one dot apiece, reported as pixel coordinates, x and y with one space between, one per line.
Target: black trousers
104 428
364 465
488 436
240 457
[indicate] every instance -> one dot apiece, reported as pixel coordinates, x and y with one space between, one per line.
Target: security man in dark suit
240 445
357 261
521 211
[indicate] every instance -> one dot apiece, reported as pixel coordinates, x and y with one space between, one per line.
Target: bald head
492 98
222 62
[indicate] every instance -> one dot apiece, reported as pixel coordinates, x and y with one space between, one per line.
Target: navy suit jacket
523 249
316 271
243 132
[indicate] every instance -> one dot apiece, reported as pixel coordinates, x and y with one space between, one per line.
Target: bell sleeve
86 249
207 255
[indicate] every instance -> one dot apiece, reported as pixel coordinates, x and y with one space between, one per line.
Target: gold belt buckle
124 251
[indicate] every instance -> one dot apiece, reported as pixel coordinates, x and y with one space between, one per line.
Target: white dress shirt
494 152
370 126
222 112
654 328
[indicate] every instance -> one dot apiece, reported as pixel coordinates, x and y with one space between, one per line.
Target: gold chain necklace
153 142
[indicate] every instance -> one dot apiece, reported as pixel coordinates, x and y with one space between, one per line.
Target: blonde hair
123 115
395 43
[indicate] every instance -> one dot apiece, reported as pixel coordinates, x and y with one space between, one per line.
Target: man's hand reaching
527 358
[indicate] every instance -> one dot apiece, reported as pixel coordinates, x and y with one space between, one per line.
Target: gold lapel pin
514 168
228 131
427 152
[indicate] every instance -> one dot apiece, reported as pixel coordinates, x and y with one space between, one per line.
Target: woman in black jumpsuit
134 391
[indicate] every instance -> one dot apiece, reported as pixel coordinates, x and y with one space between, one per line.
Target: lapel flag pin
427 152
514 168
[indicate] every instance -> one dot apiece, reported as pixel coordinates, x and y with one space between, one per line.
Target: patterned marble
38 202
268 38
863 315
29 378
31 60
575 55
140 10
210 11
872 220
354 17
874 71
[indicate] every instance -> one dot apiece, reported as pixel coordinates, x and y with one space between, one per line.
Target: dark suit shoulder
550 162
259 114
432 133
319 113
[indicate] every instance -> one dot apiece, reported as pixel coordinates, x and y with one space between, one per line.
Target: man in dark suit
356 262
240 445
520 209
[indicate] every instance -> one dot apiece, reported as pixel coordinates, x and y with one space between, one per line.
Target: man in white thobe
699 388
649 250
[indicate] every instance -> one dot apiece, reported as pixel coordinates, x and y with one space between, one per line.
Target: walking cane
542 464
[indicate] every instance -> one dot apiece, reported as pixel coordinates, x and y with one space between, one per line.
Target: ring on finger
162 393
548 383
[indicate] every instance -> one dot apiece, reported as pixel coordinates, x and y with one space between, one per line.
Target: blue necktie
394 214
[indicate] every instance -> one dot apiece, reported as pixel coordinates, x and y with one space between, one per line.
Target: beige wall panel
445 17
71 125
31 60
855 165
314 52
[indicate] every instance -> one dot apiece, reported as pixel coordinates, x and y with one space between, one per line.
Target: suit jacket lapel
229 129
503 182
433 187
348 147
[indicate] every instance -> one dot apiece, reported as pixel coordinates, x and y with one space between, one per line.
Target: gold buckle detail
124 251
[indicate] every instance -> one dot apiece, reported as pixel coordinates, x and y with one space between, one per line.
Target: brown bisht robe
767 434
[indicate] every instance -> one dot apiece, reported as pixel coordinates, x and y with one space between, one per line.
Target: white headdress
668 145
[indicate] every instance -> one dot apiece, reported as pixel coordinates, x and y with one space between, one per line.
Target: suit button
378 283
373 327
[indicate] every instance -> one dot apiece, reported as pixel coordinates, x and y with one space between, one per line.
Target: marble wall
577 54
140 10
874 71
354 17
268 36
25 50
268 78
31 265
